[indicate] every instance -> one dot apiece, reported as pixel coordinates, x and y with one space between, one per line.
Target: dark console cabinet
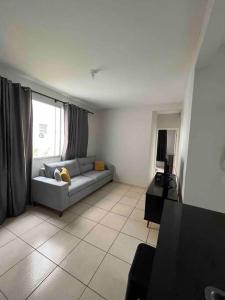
155 198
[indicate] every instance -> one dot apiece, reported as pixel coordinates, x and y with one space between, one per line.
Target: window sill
46 157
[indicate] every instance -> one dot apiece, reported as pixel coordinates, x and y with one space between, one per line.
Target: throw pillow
65 175
57 175
99 166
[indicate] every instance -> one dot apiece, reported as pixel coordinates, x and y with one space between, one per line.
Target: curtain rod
90 112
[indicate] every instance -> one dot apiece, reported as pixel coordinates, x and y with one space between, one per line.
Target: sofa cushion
98 175
79 183
86 164
71 165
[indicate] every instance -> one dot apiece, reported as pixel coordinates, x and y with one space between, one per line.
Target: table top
190 254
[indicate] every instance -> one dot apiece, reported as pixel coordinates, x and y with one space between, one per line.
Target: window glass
47 129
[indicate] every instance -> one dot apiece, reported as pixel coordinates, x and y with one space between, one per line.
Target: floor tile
136 229
23 223
94 213
39 234
79 208
122 209
90 200
114 198
41 212
138 215
141 204
90 295
125 247
59 246
80 227
5 236
2 297
110 280
101 237
24 277
133 194
129 201
58 286
154 225
62 221
153 237
137 189
114 221
83 261
106 204
12 253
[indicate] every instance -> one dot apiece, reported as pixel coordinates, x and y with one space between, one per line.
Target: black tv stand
155 197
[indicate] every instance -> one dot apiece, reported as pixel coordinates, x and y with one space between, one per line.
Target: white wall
124 140
184 133
205 178
166 121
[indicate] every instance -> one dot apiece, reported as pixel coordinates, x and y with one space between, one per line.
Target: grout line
62 229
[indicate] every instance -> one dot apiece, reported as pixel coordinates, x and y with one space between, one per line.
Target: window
47 129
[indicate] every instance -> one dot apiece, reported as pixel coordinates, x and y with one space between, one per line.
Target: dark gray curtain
162 145
15 148
76 132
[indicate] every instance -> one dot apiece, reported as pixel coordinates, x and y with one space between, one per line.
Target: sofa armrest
50 192
110 167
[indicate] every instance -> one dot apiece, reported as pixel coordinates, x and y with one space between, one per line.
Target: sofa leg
60 214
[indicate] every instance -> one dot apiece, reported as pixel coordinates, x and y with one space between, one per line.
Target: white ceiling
145 47
215 34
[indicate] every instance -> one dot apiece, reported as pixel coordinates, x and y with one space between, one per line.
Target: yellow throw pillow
65 175
99 166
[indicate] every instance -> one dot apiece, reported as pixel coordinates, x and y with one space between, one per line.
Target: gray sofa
59 195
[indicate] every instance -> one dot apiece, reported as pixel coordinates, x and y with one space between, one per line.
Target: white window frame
58 104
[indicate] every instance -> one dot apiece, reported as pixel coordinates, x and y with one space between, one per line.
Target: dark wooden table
155 198
190 254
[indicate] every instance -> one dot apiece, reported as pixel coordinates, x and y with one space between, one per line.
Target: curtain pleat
76 132
15 148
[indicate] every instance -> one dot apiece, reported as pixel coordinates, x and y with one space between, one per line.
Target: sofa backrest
71 165
86 163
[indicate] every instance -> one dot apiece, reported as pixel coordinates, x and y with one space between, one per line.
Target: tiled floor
86 254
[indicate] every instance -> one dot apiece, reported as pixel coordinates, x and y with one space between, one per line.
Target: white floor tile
24 277
101 237
62 221
122 209
79 208
5 236
141 204
23 223
136 229
114 221
94 213
129 201
105 204
41 212
114 198
12 253
39 234
80 227
153 237
59 246
125 247
138 215
90 295
154 225
58 286
2 297
110 280
83 261
133 194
